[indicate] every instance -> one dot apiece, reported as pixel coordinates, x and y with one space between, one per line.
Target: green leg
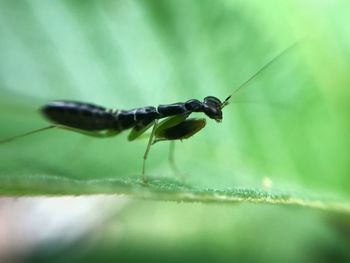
172 162
150 141
180 131
177 128
26 134
96 134
139 130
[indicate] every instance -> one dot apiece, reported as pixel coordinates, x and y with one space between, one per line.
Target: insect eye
211 100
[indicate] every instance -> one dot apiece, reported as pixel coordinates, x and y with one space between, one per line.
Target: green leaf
293 134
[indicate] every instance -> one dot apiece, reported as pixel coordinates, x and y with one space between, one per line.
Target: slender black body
91 117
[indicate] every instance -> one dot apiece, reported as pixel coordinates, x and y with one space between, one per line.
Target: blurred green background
289 127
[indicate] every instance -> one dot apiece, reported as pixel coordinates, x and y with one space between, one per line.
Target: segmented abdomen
78 115
90 117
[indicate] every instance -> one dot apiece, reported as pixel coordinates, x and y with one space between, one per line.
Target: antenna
263 68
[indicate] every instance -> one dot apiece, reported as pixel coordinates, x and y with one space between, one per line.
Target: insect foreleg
182 130
170 122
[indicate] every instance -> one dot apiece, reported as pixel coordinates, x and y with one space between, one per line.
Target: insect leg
182 130
150 142
26 134
170 122
139 129
172 162
96 134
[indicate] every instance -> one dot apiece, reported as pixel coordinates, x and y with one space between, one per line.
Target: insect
167 122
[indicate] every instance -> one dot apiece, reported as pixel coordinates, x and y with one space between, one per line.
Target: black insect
97 121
